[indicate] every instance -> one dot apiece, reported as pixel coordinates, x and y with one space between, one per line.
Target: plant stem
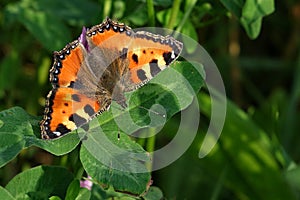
187 12
151 16
107 8
150 144
174 13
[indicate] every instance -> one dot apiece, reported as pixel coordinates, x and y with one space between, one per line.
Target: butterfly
89 73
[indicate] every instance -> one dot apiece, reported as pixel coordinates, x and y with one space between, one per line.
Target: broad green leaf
15 125
17 132
153 194
59 146
124 181
74 192
10 146
83 194
107 158
44 19
77 11
250 13
4 194
40 183
48 29
16 120
164 17
108 193
234 6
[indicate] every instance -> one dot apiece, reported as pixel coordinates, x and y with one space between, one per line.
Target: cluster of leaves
19 130
256 163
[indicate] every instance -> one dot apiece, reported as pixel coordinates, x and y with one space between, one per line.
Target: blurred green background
258 152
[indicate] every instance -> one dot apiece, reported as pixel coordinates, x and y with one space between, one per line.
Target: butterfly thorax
114 77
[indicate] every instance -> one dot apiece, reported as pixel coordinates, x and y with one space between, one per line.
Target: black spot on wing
62 129
77 119
167 57
141 75
154 68
89 110
75 97
71 84
85 127
135 58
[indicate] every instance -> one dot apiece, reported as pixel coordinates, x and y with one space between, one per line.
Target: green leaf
108 193
153 194
122 163
247 151
42 26
15 124
59 146
124 181
84 194
4 194
173 89
17 130
16 120
164 17
43 19
10 146
74 192
54 198
250 13
40 183
233 6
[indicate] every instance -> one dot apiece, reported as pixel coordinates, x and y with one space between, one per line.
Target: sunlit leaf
40 183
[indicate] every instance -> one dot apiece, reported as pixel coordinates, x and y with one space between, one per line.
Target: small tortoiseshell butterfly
106 61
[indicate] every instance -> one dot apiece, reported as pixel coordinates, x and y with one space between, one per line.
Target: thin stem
187 13
174 13
107 8
150 144
151 16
